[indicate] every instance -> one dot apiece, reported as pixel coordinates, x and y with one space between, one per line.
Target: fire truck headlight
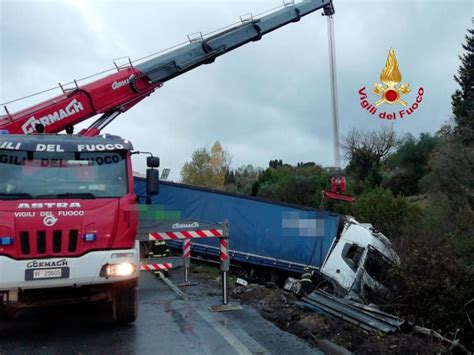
122 269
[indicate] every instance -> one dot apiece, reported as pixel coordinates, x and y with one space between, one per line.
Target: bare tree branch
381 143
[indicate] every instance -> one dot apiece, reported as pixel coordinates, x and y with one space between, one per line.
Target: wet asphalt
166 324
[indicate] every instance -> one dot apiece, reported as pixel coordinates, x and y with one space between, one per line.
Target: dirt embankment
280 307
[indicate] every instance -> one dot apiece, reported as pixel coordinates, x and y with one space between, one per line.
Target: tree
275 163
364 168
378 143
245 176
242 180
405 168
218 165
435 279
386 212
196 172
365 151
453 173
453 166
301 189
301 184
229 178
207 168
462 99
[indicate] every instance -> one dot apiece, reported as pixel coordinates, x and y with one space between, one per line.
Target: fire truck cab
68 222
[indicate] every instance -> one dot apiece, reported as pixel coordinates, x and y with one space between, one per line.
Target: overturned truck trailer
271 236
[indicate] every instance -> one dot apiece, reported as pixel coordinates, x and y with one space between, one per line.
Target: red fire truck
68 218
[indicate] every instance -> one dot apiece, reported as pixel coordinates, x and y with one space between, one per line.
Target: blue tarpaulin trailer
262 232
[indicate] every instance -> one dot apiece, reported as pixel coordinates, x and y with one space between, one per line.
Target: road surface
166 324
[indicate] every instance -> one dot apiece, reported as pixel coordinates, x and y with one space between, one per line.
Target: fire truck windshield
27 174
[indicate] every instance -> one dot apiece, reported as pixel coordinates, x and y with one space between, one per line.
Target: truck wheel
6 315
268 278
125 304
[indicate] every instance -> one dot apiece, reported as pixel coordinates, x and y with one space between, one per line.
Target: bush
435 279
433 285
299 185
387 213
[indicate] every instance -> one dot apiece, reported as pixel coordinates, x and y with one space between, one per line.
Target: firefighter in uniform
307 285
159 250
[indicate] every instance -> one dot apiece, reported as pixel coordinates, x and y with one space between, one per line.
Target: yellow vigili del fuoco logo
391 77
390 92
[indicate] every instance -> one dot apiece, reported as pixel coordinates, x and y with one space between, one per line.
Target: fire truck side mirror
152 182
153 162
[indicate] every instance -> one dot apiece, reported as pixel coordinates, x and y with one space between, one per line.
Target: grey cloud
266 100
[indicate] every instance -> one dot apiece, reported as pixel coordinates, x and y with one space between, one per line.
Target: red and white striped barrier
187 248
156 267
206 233
186 237
224 249
186 259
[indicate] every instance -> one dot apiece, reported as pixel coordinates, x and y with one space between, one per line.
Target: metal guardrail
368 318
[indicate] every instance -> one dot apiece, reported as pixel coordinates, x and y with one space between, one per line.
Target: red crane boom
118 92
108 96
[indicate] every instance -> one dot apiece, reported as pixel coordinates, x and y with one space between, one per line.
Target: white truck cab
357 259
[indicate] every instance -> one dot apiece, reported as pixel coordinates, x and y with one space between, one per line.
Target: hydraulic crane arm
205 51
118 92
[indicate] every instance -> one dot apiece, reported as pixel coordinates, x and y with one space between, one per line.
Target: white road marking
172 286
229 337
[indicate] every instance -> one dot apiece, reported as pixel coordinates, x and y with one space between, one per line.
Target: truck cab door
343 263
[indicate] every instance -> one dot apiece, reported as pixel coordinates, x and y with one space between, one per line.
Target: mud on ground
279 306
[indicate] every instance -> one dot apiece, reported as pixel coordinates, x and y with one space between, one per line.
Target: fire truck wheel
6 315
125 304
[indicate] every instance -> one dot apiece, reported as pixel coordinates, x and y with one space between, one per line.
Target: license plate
46 274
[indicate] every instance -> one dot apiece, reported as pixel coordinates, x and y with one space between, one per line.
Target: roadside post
225 267
187 263
186 257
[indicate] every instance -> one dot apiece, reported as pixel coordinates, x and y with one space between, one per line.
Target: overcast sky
269 99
